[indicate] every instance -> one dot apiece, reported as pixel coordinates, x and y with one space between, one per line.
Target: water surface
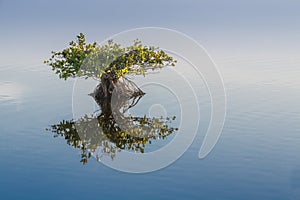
257 156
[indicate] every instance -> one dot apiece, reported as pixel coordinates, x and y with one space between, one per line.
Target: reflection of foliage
110 59
102 136
111 131
66 129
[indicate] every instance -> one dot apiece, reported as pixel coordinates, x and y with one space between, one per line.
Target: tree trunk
119 86
122 89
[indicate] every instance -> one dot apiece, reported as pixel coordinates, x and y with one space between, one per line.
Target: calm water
257 156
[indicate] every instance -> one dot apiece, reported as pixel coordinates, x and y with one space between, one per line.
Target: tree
108 63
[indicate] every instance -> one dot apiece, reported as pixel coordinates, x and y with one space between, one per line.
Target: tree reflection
112 130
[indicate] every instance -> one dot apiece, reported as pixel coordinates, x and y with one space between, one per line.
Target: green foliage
138 59
90 60
67 63
104 133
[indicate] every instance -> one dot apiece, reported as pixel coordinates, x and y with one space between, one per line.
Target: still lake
257 156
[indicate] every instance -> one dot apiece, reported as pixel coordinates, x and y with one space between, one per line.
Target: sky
232 28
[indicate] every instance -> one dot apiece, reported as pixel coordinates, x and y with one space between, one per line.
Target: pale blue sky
31 29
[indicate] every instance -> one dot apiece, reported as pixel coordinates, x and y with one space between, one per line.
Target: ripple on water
10 92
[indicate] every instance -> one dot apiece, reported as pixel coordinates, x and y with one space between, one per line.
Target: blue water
257 156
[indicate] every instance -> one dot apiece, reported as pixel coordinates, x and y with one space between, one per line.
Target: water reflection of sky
10 91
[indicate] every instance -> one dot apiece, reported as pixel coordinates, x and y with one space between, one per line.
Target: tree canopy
91 60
